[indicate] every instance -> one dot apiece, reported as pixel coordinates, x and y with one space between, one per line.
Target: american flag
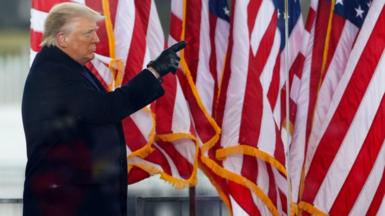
200 60
204 24
343 171
158 140
251 108
175 151
336 28
200 23
331 31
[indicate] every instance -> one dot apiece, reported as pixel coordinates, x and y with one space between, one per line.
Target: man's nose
96 38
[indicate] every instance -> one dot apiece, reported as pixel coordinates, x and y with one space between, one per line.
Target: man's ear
61 40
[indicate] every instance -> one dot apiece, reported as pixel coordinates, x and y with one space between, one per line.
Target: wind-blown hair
59 19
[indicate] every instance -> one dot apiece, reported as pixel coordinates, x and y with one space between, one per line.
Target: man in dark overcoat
76 152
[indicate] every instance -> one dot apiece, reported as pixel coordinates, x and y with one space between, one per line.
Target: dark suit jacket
76 153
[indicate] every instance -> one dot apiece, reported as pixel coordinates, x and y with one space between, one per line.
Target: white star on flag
360 12
227 11
340 2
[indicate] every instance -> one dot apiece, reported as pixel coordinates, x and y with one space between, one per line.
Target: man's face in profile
81 38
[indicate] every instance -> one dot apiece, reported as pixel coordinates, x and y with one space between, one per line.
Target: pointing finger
178 46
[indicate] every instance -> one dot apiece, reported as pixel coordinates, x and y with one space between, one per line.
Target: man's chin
90 57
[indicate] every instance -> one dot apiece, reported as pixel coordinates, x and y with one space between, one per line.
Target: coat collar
54 54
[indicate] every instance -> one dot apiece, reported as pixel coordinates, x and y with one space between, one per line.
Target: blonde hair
60 15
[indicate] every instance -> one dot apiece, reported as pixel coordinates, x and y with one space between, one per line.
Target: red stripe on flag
252 11
192 35
319 45
272 93
363 164
345 111
252 105
157 157
297 66
36 38
335 36
102 47
138 42
279 152
205 131
272 186
283 107
283 198
165 106
218 115
182 164
95 72
132 134
244 198
219 183
378 197
310 19
293 110
44 5
253 102
213 58
136 174
176 27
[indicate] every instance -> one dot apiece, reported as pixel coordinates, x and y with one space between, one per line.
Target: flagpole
192 200
287 125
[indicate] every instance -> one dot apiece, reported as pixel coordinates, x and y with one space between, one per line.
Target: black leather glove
168 60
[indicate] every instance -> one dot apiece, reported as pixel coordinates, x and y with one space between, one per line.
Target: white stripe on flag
367 193
234 105
273 115
103 70
381 210
333 75
143 120
264 16
37 20
295 88
237 83
353 141
267 72
314 4
297 37
173 169
186 148
32 56
261 206
267 135
146 57
280 181
262 177
233 163
155 37
177 8
124 24
180 116
297 147
79 1
237 210
353 60
204 80
221 44
171 40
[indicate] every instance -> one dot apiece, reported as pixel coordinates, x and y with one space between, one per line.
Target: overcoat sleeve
69 92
